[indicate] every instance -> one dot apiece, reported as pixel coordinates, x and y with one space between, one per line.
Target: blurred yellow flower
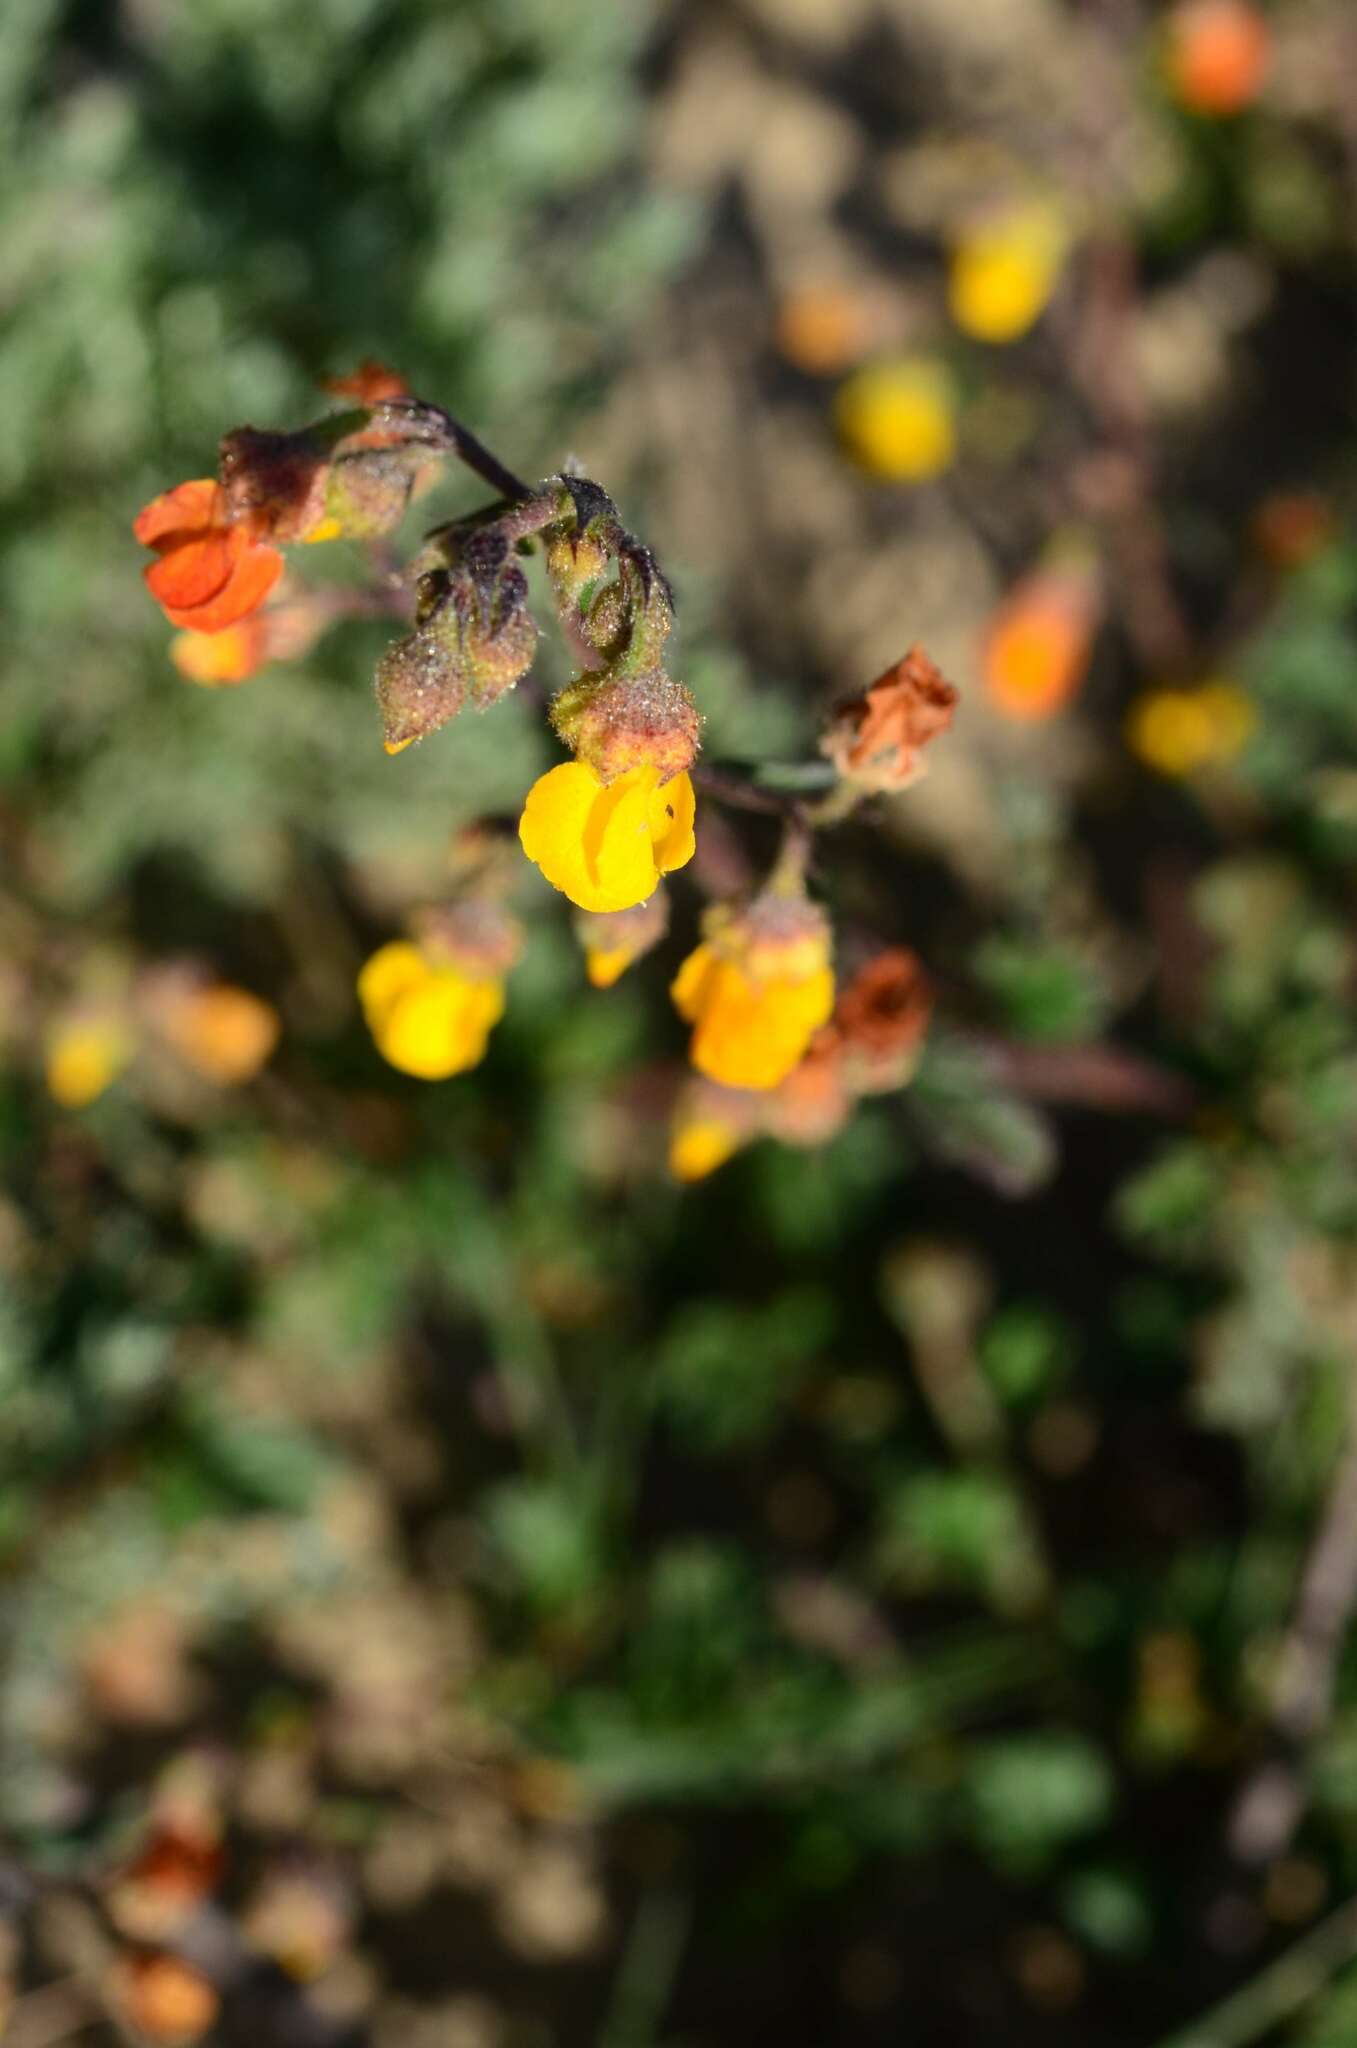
1178 732
1003 271
428 1018
898 419
83 1058
698 1148
605 845
756 991
223 1031
220 659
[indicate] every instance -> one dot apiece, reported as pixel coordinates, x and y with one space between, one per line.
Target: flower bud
421 684
613 940
616 723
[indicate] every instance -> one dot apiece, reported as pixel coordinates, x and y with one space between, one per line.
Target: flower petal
441 1027
253 576
391 973
672 811
553 824
689 986
195 569
617 843
187 509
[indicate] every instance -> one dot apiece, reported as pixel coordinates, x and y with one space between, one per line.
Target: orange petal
186 509
195 568
256 571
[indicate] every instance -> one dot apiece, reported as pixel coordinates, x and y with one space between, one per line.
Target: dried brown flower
877 739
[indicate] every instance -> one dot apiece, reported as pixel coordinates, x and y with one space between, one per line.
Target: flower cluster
869 1046
604 826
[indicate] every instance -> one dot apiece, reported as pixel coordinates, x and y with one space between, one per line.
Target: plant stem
1280 1990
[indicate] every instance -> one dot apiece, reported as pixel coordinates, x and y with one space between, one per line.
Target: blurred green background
460 1589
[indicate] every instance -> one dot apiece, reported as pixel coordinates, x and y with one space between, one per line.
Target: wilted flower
210 571
898 419
1216 55
431 1006
605 845
1037 645
877 740
1178 732
614 940
757 989
880 1021
1003 269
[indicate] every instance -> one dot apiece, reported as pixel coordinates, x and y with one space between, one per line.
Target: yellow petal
697 1149
553 825
390 974
606 964
618 846
752 1037
689 984
440 1027
672 810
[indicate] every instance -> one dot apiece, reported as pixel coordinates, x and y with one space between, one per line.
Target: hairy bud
421 684
619 722
275 484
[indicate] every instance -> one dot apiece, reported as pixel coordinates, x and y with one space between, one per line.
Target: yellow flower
1002 272
897 419
1178 732
698 1148
428 1019
605 845
82 1059
756 991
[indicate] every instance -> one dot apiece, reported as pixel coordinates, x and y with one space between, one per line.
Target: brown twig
1268 1809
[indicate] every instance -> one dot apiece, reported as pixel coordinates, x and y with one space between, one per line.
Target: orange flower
281 632
166 1999
209 573
824 328
369 384
1217 55
223 1032
877 739
1037 647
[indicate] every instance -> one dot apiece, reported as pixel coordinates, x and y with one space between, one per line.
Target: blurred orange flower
224 1032
1037 646
1216 55
165 1998
824 328
369 384
209 573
